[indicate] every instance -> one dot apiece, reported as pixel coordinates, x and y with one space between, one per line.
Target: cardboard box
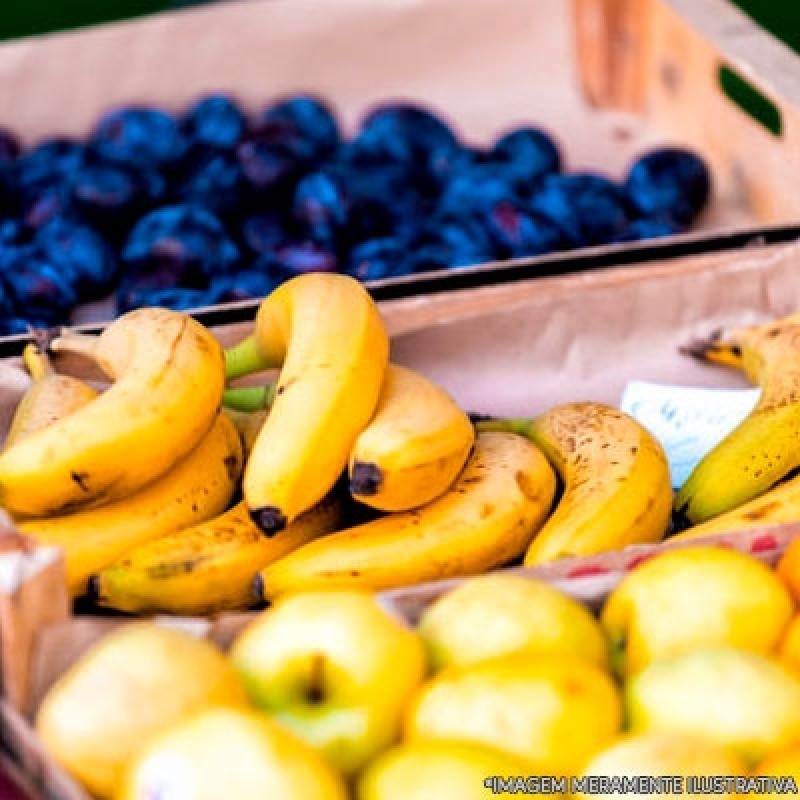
609 78
507 350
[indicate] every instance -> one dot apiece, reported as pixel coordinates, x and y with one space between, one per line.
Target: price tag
687 421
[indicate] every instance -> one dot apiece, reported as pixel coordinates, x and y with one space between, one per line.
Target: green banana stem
244 358
249 398
519 426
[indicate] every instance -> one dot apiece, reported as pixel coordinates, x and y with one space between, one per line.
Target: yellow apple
553 711
740 700
783 766
789 650
335 668
135 682
223 753
659 756
428 770
494 615
695 597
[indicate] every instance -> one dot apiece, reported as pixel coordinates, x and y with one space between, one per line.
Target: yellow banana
208 568
415 446
197 488
51 396
778 506
247 424
765 447
168 374
486 519
326 334
616 480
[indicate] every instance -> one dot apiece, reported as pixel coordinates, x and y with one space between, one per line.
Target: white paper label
687 421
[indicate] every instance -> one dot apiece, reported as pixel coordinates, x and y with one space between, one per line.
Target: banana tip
93 589
365 479
258 589
269 519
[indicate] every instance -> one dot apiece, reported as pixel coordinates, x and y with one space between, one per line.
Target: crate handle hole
750 100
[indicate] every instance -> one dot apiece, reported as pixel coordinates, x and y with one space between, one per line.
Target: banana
197 488
51 396
616 480
778 506
415 446
208 568
247 424
326 334
168 374
486 519
765 447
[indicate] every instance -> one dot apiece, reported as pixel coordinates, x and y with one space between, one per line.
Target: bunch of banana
764 449
50 397
326 335
168 378
486 519
412 450
615 476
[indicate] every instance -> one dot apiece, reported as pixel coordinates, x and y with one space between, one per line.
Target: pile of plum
212 206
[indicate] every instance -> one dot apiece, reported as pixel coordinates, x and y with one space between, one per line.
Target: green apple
437 769
335 668
225 753
740 700
495 615
657 755
553 711
695 597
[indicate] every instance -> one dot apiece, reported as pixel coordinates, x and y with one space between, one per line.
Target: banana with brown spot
485 520
617 488
764 449
168 374
199 487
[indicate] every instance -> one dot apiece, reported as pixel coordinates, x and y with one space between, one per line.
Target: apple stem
316 684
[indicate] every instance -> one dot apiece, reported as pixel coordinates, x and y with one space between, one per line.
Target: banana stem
36 362
82 344
520 426
244 358
249 398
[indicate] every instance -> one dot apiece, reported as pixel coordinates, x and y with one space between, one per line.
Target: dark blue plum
40 289
9 147
48 163
215 121
138 135
528 154
447 243
179 245
669 183
321 205
376 259
112 195
244 285
306 124
402 133
263 231
271 166
648 229
178 298
11 231
475 189
39 207
446 162
214 180
297 258
518 233
16 326
81 252
381 197
589 209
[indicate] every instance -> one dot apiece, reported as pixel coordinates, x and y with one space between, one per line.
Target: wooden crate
610 78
